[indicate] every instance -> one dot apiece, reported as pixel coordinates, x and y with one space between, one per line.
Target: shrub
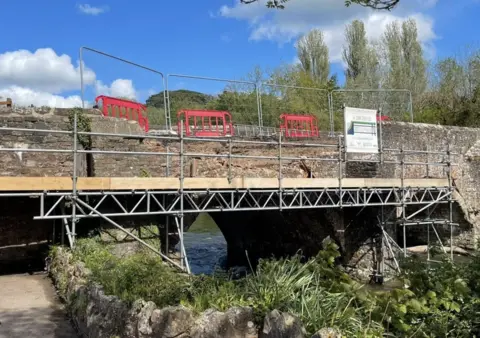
439 300
140 275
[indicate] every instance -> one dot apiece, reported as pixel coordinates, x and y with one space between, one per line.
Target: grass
440 302
140 275
287 285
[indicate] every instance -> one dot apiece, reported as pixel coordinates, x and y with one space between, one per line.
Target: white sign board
360 130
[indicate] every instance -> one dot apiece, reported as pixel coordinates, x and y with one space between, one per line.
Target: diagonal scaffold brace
81 203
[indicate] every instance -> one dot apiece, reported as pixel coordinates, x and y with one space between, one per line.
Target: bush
439 301
316 291
140 275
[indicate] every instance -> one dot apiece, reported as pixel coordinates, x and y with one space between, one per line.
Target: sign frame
361 130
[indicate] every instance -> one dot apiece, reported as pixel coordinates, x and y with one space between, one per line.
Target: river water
207 249
205 246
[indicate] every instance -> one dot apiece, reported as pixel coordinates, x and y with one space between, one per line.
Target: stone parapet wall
395 136
411 137
97 315
27 163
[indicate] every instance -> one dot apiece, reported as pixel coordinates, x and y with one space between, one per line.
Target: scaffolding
396 197
279 193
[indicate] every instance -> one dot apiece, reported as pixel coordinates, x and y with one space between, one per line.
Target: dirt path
29 308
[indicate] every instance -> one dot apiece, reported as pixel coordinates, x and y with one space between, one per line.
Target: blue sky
217 38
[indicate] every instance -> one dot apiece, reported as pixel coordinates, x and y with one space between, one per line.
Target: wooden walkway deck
202 183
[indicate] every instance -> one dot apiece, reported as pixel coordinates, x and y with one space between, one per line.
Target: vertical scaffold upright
173 197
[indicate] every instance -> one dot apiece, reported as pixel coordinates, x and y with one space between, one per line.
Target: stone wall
97 315
23 242
274 233
25 163
420 137
461 142
395 135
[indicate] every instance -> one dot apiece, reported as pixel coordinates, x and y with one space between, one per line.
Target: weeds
140 275
439 302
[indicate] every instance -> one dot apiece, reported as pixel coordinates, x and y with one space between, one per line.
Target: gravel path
29 308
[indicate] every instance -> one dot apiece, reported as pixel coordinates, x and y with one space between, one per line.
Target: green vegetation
83 125
204 224
141 275
446 91
188 97
439 300
179 99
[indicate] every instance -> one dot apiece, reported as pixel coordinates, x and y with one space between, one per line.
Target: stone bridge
260 233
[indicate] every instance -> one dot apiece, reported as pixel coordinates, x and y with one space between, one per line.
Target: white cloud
331 16
91 10
23 96
41 77
118 88
42 70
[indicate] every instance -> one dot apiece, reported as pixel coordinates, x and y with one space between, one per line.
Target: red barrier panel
121 108
205 123
299 125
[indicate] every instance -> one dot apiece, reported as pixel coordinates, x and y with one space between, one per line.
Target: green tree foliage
312 53
449 93
405 63
191 98
360 57
294 90
414 61
454 98
242 105
179 99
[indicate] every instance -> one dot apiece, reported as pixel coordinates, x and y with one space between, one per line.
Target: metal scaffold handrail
185 200
280 198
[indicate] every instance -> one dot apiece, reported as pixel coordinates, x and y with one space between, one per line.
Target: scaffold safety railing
176 193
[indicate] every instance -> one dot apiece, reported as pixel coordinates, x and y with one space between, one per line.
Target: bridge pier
265 234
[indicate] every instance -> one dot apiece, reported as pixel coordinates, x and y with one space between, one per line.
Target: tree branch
270 3
375 4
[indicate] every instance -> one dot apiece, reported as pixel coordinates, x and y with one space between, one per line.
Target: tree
455 92
313 55
404 61
415 64
360 57
376 4
392 52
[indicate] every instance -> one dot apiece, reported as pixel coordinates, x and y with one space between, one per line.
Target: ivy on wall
84 124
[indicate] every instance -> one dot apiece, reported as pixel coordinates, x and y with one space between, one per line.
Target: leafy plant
83 125
437 300
140 275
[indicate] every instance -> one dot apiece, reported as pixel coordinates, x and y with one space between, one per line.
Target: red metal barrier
383 118
299 125
205 123
121 108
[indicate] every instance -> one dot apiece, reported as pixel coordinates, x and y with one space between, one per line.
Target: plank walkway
37 184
